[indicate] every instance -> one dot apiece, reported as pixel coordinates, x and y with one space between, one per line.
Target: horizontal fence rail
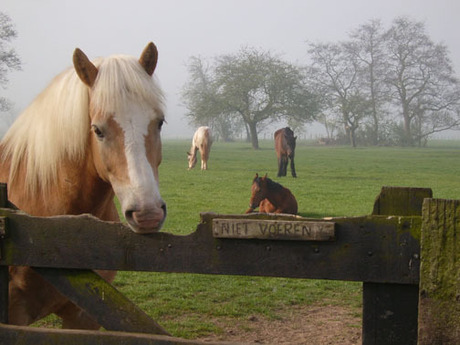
381 249
39 336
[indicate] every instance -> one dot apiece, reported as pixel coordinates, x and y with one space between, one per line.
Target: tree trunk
352 137
253 131
248 133
408 140
349 128
375 129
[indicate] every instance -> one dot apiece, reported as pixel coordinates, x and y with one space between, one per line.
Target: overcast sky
50 30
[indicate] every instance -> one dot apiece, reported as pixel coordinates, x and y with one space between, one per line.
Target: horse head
191 160
258 191
290 142
126 116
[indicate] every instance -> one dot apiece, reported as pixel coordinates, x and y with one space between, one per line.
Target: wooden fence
410 295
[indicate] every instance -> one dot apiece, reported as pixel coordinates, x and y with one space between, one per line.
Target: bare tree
377 74
422 79
334 73
367 44
9 60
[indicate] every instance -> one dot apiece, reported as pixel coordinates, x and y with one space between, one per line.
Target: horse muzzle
146 221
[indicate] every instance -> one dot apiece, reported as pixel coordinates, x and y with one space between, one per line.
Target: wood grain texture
439 310
111 309
370 248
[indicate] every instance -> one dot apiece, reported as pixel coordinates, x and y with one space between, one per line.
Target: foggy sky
50 30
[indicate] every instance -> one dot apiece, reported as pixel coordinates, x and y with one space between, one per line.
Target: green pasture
332 181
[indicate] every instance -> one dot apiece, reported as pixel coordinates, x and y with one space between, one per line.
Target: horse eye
160 124
98 132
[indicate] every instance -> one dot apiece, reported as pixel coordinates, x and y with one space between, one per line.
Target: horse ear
85 69
266 175
149 58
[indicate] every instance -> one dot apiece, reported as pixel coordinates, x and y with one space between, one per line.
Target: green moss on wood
440 273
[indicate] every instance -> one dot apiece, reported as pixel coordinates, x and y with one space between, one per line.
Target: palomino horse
271 197
285 149
202 140
93 133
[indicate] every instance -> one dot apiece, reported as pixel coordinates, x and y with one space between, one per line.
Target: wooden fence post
439 311
390 310
4 276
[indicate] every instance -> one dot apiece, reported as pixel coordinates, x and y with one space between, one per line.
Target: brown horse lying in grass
271 197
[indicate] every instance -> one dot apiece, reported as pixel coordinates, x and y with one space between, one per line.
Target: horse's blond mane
56 125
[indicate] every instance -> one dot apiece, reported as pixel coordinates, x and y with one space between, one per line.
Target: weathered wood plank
3 195
439 310
4 275
401 200
371 248
111 309
273 229
42 336
390 311
389 314
4 202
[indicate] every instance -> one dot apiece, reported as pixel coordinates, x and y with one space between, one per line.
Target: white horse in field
202 140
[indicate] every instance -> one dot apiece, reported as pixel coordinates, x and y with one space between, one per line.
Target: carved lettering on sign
273 229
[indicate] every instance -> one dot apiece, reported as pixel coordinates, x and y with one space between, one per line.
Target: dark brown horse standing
271 197
285 149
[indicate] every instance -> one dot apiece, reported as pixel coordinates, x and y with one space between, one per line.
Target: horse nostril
129 215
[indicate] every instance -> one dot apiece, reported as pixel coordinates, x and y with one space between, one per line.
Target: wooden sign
273 229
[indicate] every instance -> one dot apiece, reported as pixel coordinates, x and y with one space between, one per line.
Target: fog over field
49 31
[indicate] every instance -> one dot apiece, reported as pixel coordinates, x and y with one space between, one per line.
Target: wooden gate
381 250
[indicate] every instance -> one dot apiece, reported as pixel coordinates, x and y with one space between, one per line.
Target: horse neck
193 150
276 196
76 190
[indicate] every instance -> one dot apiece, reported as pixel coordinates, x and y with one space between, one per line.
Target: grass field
332 181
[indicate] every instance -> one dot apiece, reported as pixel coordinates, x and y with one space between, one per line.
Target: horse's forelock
121 79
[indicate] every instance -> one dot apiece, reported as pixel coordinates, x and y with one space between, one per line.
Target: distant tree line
247 91
391 86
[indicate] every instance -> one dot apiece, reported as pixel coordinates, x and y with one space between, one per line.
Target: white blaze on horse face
140 197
